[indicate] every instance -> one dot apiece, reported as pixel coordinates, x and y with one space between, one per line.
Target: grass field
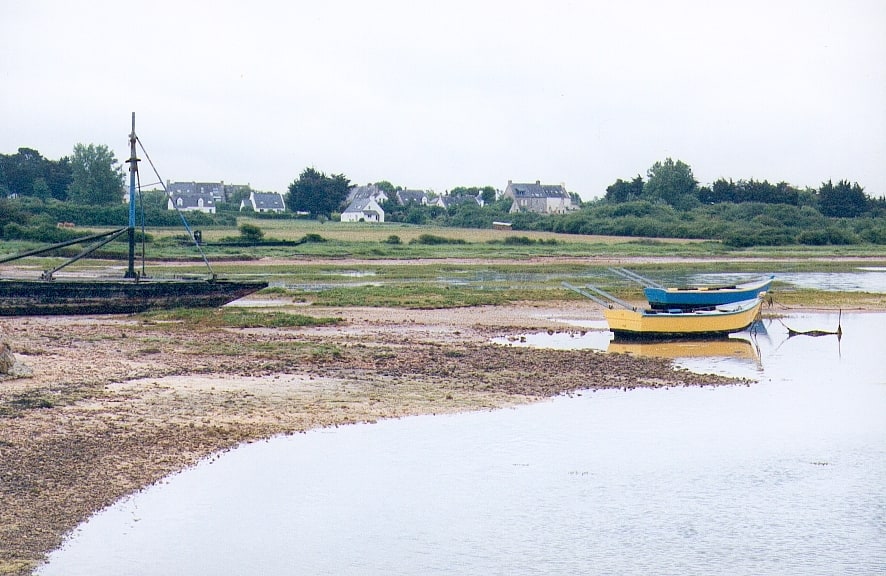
358 264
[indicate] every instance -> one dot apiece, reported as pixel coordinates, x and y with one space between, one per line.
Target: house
192 202
364 192
539 198
448 201
363 210
264 202
215 189
405 197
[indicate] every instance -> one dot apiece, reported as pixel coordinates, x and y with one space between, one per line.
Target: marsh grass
418 296
808 298
236 318
374 241
349 264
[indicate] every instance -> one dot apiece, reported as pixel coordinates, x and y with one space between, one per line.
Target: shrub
433 240
827 236
518 241
251 232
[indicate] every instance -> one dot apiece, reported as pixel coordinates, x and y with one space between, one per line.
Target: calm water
785 476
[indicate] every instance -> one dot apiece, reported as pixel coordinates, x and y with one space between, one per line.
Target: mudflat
112 404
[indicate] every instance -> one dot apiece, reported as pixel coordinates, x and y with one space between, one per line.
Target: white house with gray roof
202 201
216 189
264 202
539 198
363 210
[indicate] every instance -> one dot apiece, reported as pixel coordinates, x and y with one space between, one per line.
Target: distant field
363 232
336 241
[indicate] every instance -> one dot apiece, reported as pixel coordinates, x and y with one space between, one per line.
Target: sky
436 95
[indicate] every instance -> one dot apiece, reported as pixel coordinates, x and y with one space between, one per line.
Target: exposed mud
116 403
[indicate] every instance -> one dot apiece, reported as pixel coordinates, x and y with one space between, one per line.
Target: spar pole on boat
133 169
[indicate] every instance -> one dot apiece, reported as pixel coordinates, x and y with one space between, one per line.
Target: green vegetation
236 318
85 189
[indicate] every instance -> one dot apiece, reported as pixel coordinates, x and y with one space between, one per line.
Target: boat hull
116 296
691 298
654 324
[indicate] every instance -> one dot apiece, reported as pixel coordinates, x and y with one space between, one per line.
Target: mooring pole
133 169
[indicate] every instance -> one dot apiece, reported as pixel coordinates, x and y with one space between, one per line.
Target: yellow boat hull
659 324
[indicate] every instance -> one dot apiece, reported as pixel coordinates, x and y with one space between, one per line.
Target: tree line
671 182
669 202
91 175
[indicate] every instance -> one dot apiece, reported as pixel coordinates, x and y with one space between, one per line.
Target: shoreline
115 404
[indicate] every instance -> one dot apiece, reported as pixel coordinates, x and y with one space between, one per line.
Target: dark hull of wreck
116 296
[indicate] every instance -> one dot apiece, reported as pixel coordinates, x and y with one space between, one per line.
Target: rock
7 360
9 367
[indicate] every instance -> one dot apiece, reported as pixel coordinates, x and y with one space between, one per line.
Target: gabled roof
538 190
406 196
363 205
449 201
371 191
193 199
267 201
215 188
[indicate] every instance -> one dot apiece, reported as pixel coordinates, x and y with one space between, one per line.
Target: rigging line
141 204
180 213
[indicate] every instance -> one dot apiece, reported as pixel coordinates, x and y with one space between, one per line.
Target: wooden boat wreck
688 298
629 322
133 292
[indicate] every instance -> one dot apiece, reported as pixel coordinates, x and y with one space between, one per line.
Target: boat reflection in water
736 346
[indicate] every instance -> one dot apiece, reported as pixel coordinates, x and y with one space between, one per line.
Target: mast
133 170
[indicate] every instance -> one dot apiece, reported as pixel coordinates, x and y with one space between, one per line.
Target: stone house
539 198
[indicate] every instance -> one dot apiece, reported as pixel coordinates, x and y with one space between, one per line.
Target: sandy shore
116 403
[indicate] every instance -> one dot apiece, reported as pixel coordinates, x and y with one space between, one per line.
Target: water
866 279
785 476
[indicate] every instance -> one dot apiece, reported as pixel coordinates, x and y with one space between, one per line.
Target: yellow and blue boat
629 322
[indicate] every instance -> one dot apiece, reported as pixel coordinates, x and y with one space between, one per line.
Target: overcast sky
434 95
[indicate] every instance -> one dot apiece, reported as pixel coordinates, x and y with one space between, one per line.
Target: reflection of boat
739 348
688 298
723 319
130 293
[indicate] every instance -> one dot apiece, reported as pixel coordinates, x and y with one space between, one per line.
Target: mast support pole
133 170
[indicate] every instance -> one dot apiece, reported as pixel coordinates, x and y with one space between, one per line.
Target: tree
671 182
251 232
235 197
487 193
96 177
720 191
317 193
843 200
27 173
386 187
623 191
